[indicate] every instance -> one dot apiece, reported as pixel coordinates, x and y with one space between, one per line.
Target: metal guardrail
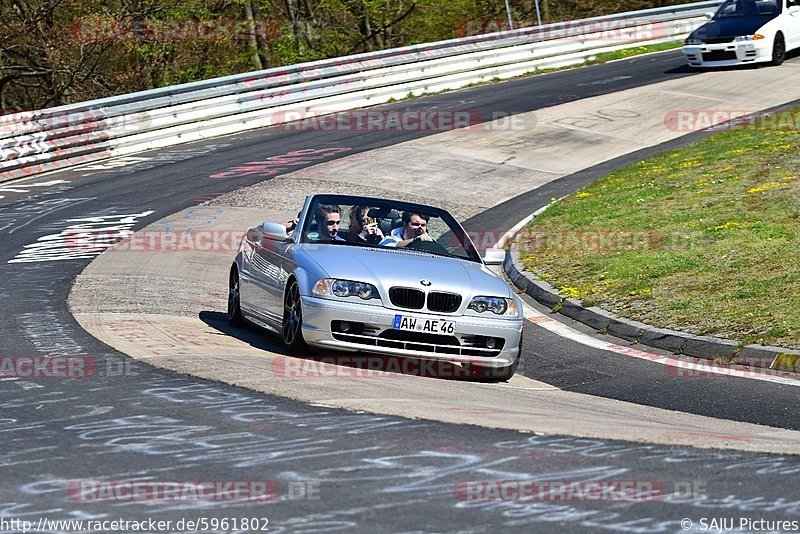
40 141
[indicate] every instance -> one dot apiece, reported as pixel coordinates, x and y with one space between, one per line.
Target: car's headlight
754 37
496 305
328 287
693 42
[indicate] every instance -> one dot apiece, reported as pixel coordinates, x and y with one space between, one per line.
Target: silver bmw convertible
380 276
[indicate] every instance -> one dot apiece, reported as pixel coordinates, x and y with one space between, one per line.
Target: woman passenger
363 228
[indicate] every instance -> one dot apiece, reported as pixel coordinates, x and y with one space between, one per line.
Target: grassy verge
704 239
605 57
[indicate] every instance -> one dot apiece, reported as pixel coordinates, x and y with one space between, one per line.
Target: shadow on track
324 363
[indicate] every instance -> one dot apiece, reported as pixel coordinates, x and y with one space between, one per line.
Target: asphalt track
371 473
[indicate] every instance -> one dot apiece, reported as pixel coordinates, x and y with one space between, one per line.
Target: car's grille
414 299
406 297
419 342
443 302
401 339
719 55
717 40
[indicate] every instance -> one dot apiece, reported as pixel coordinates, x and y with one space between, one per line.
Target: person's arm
291 225
422 237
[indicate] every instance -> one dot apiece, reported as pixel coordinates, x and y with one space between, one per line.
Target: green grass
703 239
630 52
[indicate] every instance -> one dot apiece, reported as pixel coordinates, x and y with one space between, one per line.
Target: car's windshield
370 222
748 8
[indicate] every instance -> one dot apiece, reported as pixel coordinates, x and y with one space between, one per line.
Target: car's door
790 18
269 260
252 279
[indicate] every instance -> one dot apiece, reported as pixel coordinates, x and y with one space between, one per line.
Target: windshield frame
460 235
719 15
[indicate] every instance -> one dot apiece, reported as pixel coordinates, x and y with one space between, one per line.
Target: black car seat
392 220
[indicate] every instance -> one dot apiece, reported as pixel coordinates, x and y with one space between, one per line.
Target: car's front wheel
778 50
292 327
234 299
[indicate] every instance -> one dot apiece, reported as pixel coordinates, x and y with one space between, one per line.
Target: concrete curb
679 343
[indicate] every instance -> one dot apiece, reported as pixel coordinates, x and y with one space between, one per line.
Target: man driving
414 228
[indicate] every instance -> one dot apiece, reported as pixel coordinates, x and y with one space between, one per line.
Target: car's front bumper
728 54
318 314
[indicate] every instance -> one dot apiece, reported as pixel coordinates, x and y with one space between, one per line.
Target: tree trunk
251 35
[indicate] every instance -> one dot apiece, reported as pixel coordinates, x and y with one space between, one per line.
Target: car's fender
305 280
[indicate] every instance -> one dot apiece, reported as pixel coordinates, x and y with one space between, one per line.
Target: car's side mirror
708 14
274 230
494 256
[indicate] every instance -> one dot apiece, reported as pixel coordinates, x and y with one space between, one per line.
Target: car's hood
388 267
730 27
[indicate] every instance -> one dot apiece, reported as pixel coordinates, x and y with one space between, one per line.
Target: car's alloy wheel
234 308
292 328
778 50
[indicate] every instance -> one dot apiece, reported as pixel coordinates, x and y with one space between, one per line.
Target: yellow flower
765 187
727 225
642 292
570 292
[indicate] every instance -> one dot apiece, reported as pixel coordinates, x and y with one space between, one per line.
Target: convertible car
416 287
745 31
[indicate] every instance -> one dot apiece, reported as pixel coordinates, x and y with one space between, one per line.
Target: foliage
55 52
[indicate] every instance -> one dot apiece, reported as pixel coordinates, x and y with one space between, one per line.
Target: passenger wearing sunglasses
328 219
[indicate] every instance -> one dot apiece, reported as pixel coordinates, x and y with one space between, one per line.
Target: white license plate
417 324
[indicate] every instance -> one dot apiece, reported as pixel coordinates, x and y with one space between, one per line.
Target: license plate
417 324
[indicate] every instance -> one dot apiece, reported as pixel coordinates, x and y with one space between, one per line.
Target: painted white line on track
568 332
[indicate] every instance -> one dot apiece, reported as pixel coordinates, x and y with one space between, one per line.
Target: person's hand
372 228
425 237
